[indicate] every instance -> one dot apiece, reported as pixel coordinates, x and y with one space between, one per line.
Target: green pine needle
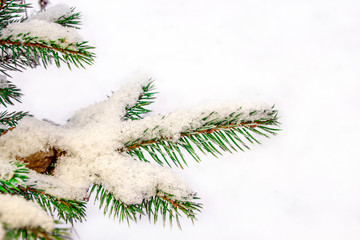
11 92
9 120
38 233
147 96
31 50
160 204
72 20
68 210
12 184
214 137
11 11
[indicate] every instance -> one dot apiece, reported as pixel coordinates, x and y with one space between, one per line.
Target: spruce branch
9 120
160 204
31 48
68 210
19 176
8 63
9 93
215 135
38 233
72 20
11 11
135 112
18 63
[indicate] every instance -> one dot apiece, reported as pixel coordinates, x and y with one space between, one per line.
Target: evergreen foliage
216 135
17 55
161 204
37 233
67 210
72 20
136 111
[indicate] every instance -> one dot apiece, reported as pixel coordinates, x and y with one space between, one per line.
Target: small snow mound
17 212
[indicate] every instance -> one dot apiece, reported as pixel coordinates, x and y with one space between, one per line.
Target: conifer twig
146 97
214 136
67 210
161 203
38 233
49 50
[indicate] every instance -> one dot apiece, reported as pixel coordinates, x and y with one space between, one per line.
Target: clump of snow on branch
75 187
129 180
42 28
43 31
36 135
53 13
93 136
111 110
6 170
2 232
3 82
171 126
17 212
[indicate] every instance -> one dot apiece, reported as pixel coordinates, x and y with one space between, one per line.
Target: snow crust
43 28
3 82
17 212
93 135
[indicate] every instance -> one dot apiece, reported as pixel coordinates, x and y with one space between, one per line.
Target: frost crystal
17 212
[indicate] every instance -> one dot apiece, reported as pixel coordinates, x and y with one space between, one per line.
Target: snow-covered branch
96 151
47 35
16 212
94 143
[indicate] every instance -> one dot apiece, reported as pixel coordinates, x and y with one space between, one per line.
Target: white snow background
302 56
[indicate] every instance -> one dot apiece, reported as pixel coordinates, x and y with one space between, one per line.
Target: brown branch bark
2 3
10 129
172 202
251 124
42 161
43 4
29 44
